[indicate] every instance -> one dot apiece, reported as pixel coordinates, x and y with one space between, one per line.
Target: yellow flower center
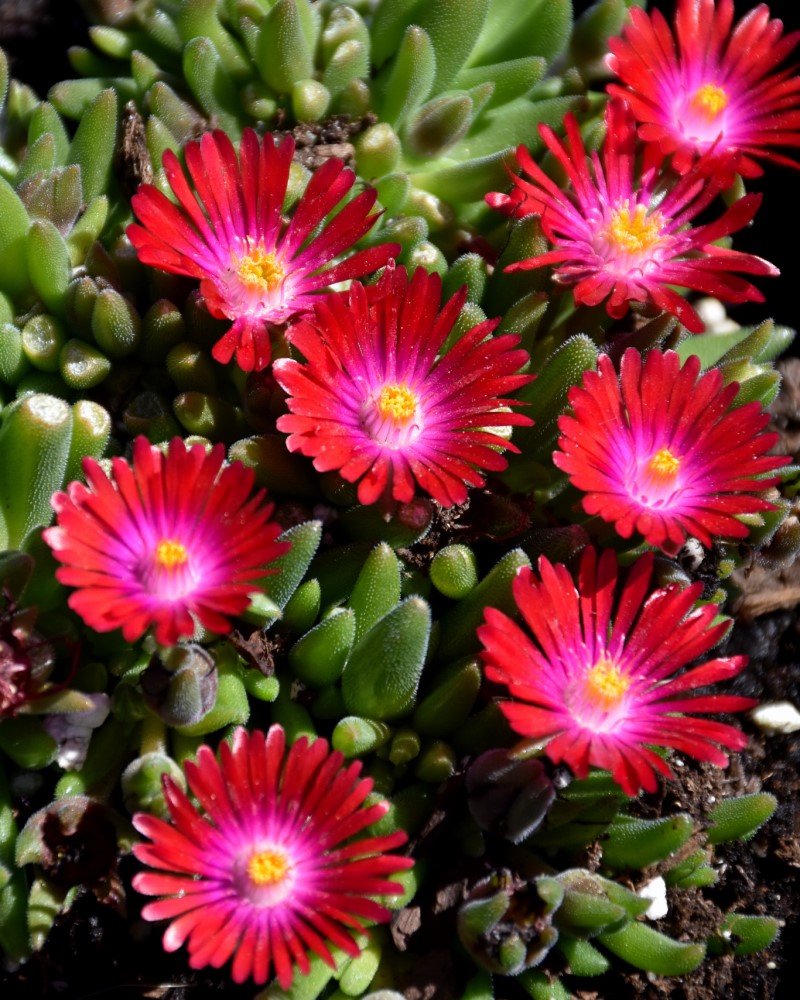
664 464
397 402
259 270
634 232
268 867
605 682
170 553
710 99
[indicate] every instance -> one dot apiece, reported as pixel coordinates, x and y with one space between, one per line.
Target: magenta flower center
710 100
596 698
268 867
605 683
656 480
634 232
265 876
168 573
392 416
258 270
171 553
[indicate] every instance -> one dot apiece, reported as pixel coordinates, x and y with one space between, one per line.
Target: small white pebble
771 966
712 311
776 717
711 799
656 890
678 762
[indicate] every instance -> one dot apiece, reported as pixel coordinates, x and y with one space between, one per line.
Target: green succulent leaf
647 949
14 226
739 818
381 678
318 658
636 843
377 589
93 145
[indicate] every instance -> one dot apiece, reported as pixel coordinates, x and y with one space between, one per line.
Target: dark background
29 28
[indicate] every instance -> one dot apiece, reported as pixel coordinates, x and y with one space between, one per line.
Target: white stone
776 717
655 890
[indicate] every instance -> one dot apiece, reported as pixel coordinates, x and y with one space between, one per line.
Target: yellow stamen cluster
267 867
259 270
664 464
634 232
605 682
710 99
397 402
170 553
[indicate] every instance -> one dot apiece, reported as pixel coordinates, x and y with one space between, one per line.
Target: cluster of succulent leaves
367 633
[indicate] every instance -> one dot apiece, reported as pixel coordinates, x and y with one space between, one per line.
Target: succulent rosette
165 539
620 238
708 89
379 400
595 671
662 450
272 864
229 232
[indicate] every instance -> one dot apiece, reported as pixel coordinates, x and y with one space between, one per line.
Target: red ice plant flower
230 233
597 677
663 451
377 400
271 866
627 241
170 536
715 91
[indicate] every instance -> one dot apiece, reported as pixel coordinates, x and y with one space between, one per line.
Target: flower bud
508 795
505 922
142 785
180 686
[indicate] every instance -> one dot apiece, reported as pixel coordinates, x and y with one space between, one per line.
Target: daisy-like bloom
229 233
661 450
170 536
616 240
374 400
597 677
271 866
715 90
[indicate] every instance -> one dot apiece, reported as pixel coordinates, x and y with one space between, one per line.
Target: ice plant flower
230 234
662 450
171 536
625 240
272 865
715 90
596 677
376 400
